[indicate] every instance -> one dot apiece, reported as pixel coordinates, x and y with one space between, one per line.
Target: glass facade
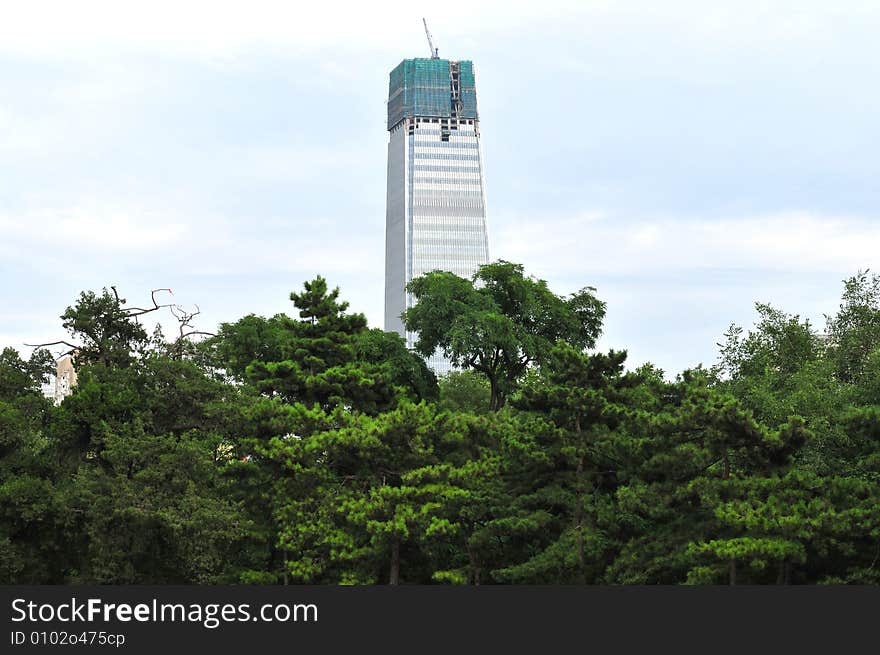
435 208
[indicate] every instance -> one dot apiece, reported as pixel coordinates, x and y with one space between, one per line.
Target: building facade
64 379
436 202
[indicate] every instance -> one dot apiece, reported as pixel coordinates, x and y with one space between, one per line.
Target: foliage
312 449
464 391
498 323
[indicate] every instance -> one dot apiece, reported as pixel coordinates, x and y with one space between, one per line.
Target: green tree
326 357
780 369
404 369
582 398
854 331
32 548
362 513
142 440
105 330
498 323
316 450
464 391
690 456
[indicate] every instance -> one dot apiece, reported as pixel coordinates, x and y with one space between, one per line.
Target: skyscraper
436 206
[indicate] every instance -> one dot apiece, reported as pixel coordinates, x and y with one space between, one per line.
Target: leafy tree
780 343
327 357
498 323
692 455
854 332
560 494
779 370
31 516
362 510
143 440
153 509
316 450
105 329
464 391
236 345
404 369
19 377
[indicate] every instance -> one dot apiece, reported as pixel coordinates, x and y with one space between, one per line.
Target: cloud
91 226
788 241
196 144
278 163
224 28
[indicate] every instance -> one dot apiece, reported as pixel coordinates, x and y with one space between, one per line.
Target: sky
687 159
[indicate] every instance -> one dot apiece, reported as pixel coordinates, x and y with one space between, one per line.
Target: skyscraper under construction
436 205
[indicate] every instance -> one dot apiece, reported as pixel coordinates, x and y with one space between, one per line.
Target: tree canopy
312 449
499 323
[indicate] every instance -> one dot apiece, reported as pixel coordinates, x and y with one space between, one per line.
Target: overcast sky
685 158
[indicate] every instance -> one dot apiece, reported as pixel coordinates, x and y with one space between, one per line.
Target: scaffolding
437 88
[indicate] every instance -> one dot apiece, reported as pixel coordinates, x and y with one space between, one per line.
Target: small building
65 378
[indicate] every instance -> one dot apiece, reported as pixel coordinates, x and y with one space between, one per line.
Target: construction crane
434 54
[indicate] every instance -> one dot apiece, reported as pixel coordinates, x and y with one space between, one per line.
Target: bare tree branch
72 347
137 311
50 343
189 334
184 318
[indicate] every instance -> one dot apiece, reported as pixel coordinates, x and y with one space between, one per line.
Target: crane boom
434 54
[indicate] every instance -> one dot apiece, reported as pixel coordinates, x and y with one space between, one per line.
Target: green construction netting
421 87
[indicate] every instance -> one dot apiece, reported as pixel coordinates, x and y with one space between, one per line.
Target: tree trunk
494 400
475 568
726 476
579 519
394 576
784 576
